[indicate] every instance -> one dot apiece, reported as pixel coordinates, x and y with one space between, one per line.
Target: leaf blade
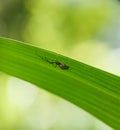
94 90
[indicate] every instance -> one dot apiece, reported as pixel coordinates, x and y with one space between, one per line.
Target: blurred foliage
57 23
53 22
13 18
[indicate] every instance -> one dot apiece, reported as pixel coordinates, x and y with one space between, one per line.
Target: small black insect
62 66
57 63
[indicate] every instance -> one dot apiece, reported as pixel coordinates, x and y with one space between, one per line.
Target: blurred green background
86 30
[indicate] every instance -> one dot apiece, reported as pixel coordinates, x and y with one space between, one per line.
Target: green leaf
92 89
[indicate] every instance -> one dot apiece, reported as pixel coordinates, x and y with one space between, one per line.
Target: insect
57 63
62 66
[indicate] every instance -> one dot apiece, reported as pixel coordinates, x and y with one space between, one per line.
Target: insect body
57 63
62 66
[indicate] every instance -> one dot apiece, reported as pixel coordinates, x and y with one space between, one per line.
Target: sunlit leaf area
85 30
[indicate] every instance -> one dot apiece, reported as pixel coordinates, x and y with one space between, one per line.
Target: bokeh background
86 30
